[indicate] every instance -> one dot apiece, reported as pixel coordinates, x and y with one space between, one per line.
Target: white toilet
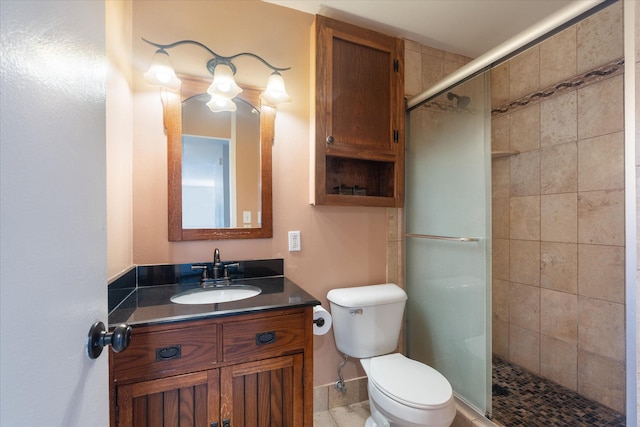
402 392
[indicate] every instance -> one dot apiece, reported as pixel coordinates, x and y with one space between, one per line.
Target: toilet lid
410 382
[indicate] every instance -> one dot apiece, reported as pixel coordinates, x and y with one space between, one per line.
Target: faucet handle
226 269
205 271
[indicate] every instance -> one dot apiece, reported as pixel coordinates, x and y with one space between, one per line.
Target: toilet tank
367 319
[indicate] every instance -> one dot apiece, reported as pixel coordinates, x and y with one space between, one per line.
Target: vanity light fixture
223 87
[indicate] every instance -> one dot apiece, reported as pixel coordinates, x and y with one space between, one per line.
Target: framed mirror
219 165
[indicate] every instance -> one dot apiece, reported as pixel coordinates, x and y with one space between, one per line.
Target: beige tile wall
328 397
558 213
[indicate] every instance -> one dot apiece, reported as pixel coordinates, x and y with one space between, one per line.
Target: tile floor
353 415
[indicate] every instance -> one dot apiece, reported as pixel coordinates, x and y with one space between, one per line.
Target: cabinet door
359 83
267 393
190 400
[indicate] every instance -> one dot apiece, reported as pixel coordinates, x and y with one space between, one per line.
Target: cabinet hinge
396 65
396 136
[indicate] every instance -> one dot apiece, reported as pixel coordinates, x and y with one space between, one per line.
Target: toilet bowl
402 392
407 393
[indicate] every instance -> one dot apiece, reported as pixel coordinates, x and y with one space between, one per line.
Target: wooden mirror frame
173 124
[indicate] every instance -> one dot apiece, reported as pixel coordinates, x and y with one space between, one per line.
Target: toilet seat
410 382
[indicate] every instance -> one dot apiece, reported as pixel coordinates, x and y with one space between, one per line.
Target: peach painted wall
119 104
341 246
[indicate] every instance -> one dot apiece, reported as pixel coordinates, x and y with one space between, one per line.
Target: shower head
461 101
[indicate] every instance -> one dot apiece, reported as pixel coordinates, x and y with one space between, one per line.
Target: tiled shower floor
523 399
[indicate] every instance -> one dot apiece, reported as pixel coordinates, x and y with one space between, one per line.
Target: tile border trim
597 74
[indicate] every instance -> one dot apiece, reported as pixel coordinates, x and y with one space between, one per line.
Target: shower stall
564 227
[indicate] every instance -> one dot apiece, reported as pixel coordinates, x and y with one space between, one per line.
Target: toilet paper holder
321 320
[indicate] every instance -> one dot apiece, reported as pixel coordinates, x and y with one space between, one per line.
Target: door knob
98 338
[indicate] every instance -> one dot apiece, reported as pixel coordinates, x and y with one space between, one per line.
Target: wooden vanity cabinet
240 371
358 147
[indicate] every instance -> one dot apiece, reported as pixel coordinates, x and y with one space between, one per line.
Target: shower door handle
450 239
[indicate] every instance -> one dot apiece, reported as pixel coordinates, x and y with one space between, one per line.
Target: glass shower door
448 274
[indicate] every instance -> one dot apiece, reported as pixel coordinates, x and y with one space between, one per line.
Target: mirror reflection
219 165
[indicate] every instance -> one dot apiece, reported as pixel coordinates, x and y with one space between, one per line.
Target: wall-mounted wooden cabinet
358 148
245 370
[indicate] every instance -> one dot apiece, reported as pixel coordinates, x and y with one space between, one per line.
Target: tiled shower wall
558 209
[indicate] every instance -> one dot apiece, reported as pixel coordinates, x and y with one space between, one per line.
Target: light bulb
275 93
223 82
161 71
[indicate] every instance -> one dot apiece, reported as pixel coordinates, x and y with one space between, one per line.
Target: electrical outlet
294 241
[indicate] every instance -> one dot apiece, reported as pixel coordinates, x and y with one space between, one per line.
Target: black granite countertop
142 296
150 305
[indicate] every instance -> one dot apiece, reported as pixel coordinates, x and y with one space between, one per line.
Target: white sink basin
216 295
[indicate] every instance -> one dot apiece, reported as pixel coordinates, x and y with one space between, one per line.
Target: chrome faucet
216 263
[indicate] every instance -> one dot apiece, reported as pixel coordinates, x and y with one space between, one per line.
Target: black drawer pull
168 353
265 338
226 423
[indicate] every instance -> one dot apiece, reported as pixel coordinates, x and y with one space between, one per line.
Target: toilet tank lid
364 296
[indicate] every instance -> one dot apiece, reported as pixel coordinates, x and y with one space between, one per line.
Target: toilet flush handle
355 311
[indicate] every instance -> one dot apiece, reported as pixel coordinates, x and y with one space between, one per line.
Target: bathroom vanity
229 364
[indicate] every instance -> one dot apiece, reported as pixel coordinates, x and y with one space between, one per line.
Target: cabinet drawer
261 338
157 354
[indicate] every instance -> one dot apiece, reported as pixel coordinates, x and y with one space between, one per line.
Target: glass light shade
161 72
223 82
221 103
275 93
